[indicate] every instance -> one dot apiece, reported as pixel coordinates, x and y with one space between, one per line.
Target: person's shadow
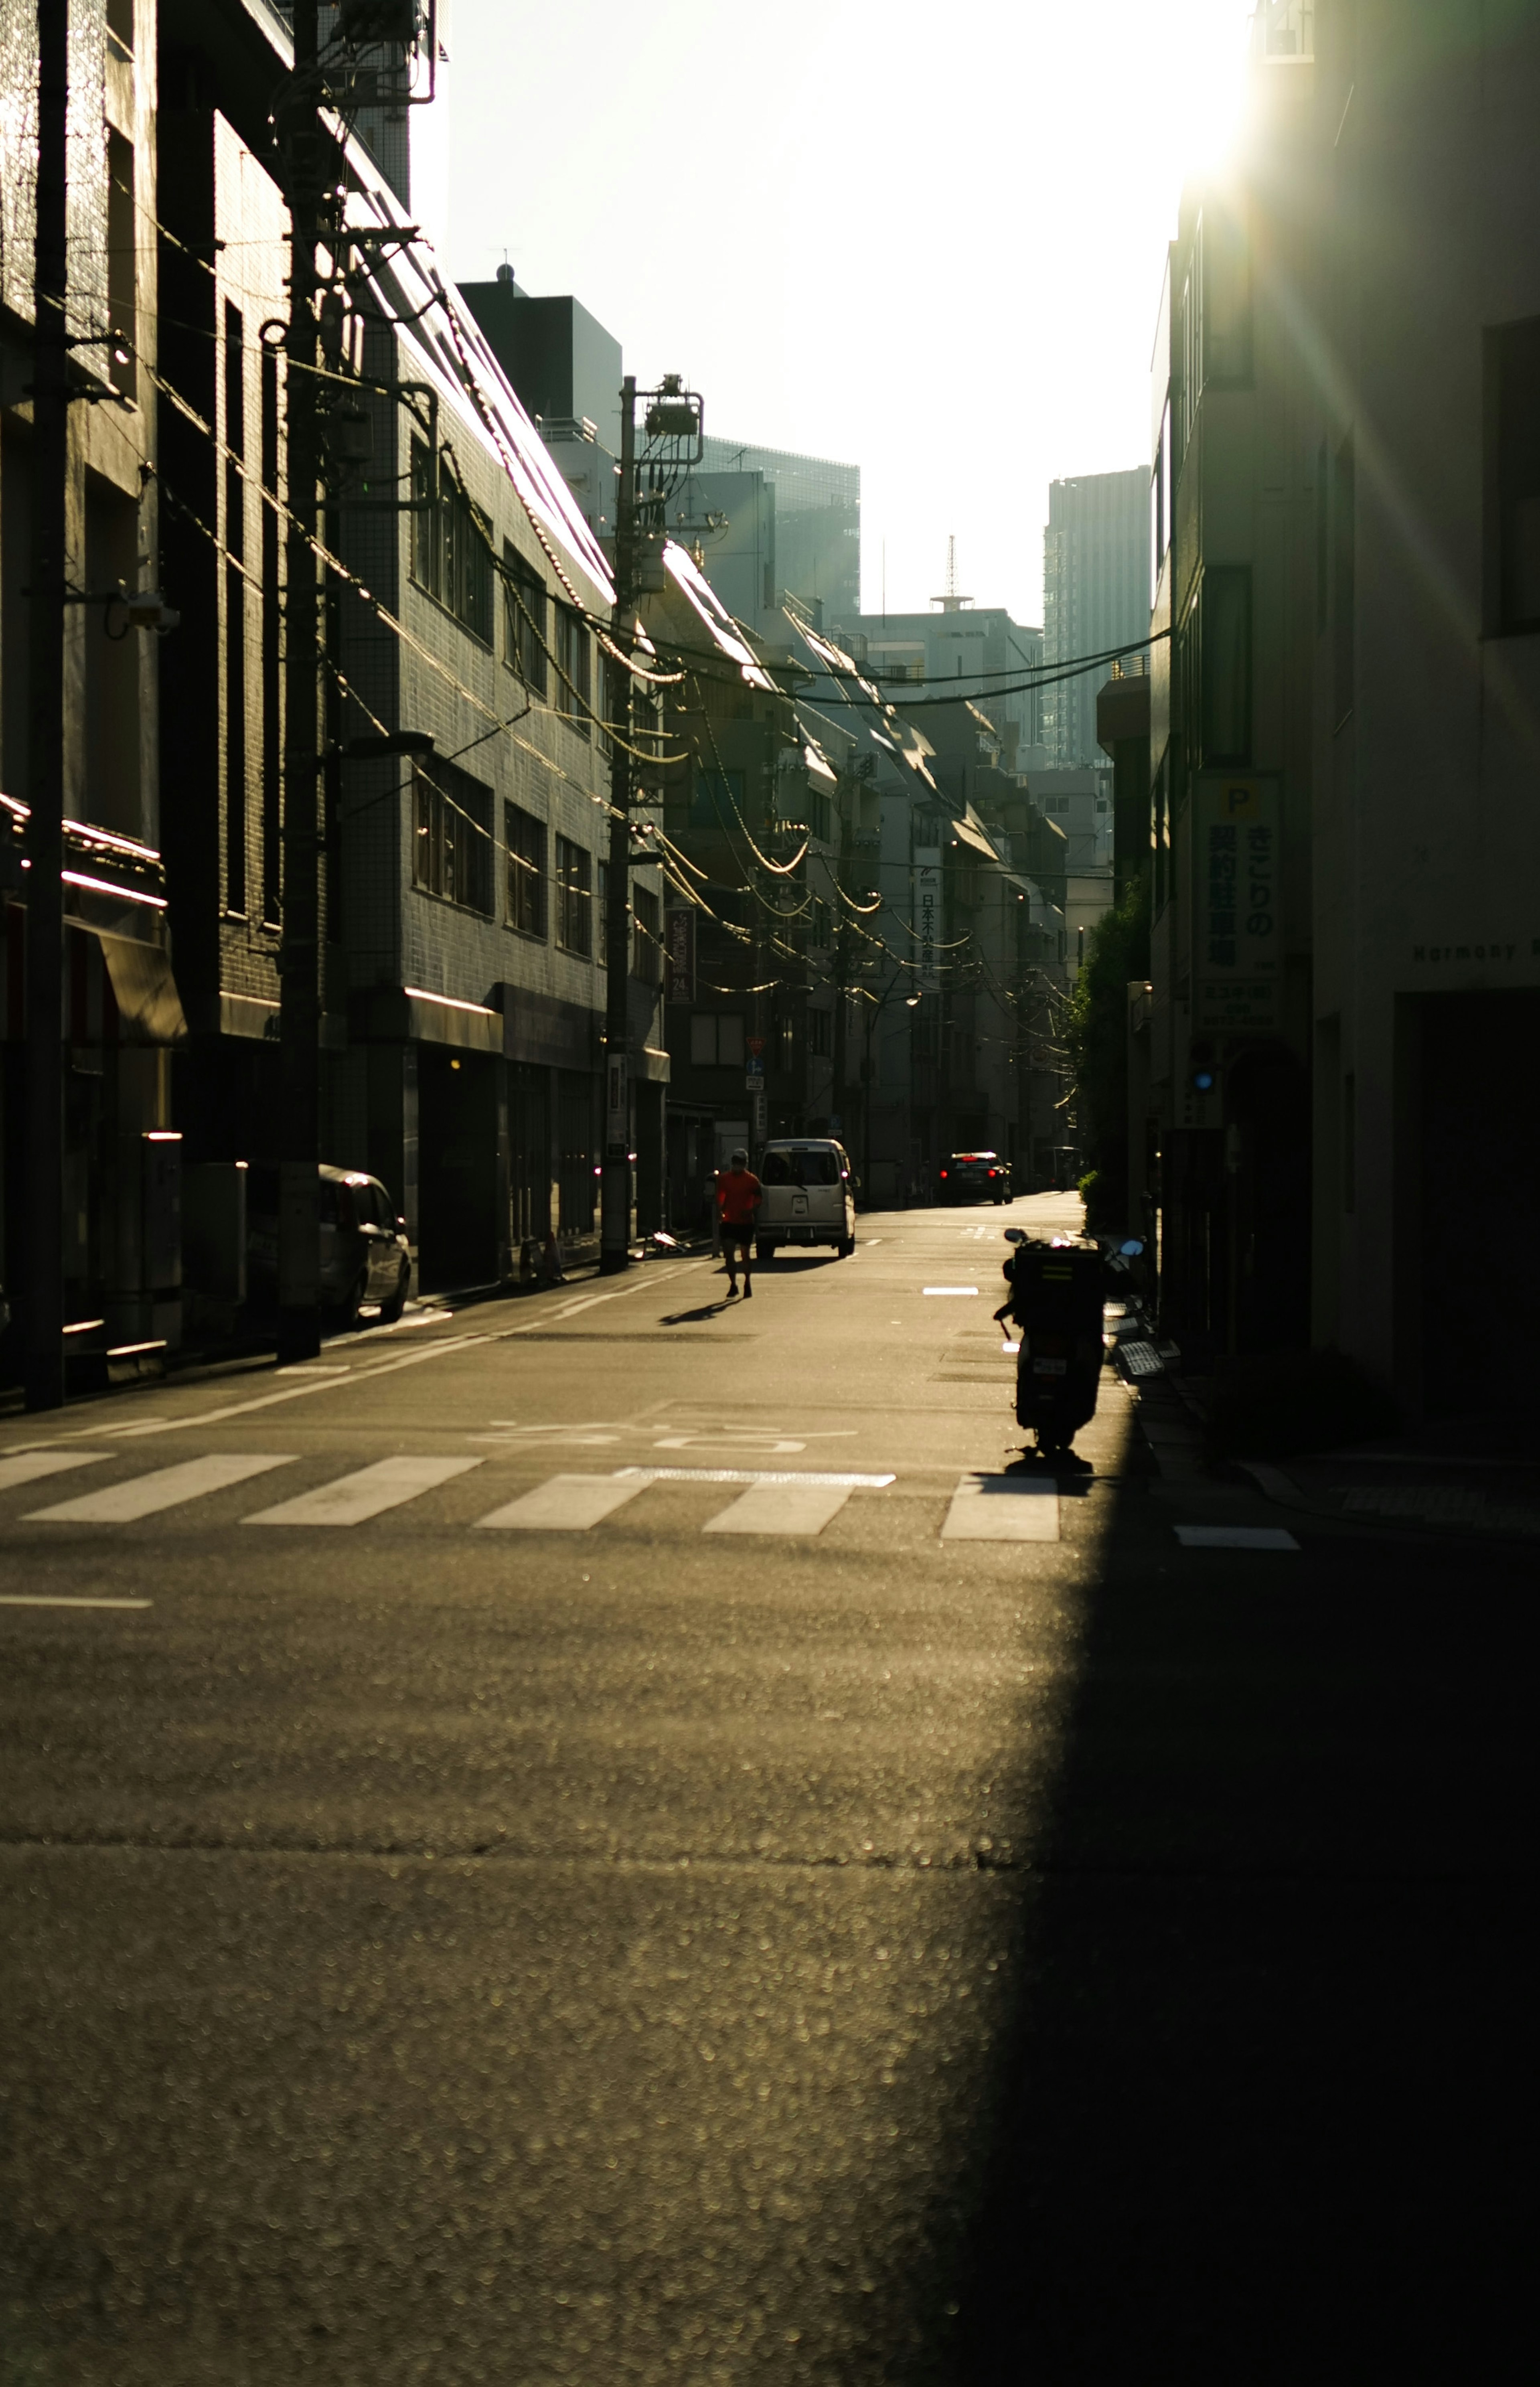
694 1316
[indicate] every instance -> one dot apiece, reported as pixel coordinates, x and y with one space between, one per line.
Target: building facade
818 524
123 1015
1345 975
1095 597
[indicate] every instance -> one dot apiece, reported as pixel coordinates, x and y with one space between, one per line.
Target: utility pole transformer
614 1248
300 953
45 1368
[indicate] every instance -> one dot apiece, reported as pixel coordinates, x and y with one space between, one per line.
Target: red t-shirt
739 1193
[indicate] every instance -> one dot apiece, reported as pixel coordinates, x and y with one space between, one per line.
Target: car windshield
789 1165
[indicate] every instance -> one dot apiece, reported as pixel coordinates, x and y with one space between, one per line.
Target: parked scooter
1056 1299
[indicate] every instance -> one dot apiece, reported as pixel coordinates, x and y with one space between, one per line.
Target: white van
809 1197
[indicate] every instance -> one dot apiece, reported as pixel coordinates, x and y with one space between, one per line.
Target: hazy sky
927 240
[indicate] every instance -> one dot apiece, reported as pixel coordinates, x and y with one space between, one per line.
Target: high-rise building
1095 596
818 523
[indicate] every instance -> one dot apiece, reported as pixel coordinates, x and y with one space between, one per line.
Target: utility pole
614 1247
300 953
45 1371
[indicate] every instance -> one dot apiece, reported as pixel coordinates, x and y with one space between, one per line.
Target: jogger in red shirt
739 1195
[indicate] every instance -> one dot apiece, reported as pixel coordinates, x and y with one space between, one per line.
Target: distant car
365 1258
809 1197
975 1177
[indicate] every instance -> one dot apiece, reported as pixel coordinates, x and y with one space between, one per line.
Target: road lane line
950 1291
27 1466
755 1475
61 1599
1003 1509
568 1504
195 1424
167 1487
781 1508
352 1499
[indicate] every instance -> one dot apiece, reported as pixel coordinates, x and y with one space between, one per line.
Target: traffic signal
1203 1069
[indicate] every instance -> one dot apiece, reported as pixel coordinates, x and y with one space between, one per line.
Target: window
235 613
1512 400
715 798
451 853
574 909
647 942
122 258
1323 538
525 838
451 547
1343 582
820 1033
1219 661
1160 500
786 1042
716 1040
523 619
573 691
1225 300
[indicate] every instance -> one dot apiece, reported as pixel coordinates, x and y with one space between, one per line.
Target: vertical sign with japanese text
927 911
1237 905
680 945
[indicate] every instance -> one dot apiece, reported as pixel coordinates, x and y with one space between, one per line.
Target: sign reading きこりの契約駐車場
1237 906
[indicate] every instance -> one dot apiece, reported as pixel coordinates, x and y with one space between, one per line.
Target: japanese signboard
927 911
680 938
1237 900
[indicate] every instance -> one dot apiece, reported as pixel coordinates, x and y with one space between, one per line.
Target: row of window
717 1039
453 856
453 560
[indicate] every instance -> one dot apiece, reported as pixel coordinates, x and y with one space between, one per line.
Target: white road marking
949 1292
167 1487
28 1465
195 1424
352 1499
1003 1509
1235 1537
751 1475
587 1300
568 1504
781 1508
48 1599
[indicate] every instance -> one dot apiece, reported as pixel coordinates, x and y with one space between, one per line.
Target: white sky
925 240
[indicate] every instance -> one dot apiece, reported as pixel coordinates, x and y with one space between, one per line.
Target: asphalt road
472 1913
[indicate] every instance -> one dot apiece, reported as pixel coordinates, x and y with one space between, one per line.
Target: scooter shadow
1065 1468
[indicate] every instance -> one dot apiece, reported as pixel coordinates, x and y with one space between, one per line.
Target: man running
739 1195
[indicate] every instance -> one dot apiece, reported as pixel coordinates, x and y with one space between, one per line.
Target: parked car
809 1197
365 1258
975 1177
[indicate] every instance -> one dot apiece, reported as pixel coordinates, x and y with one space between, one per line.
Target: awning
149 1008
972 832
692 582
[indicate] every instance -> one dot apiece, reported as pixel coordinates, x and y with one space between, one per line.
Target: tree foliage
1097 1035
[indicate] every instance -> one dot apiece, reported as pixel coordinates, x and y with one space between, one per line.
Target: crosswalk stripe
167 1487
1003 1509
353 1499
781 1508
568 1504
28 1465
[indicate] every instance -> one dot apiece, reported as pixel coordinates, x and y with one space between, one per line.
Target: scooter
1056 1299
